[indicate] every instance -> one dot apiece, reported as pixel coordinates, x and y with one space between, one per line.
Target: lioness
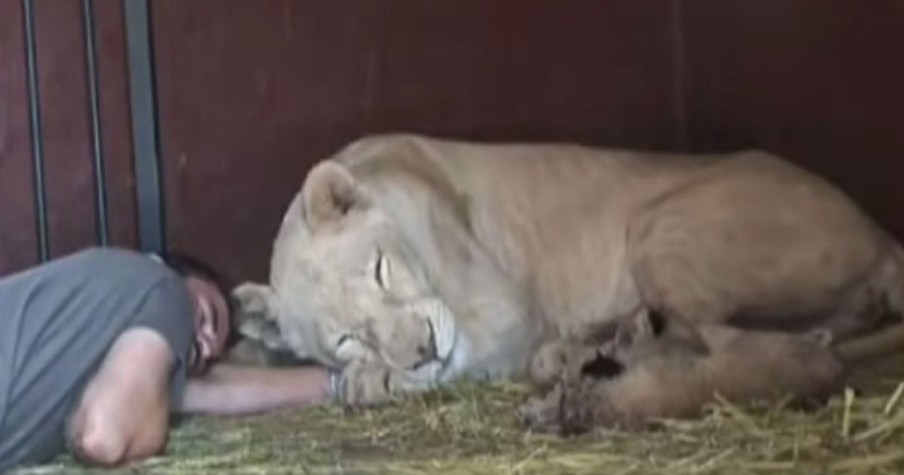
643 373
411 261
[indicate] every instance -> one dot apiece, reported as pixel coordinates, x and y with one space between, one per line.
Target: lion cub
644 367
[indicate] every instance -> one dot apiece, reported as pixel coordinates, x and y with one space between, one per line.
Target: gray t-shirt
57 322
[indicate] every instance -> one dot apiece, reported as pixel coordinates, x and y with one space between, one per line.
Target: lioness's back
556 216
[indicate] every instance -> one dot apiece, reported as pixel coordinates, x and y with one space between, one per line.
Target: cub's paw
579 408
588 406
823 337
559 360
541 414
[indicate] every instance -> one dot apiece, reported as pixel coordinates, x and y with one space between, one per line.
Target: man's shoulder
113 255
117 260
130 273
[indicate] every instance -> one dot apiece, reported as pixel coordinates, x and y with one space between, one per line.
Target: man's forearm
236 390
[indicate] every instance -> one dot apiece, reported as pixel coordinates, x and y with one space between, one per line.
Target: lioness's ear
256 313
251 298
328 193
265 332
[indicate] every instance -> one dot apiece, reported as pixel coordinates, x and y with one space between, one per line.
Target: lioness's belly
585 279
572 261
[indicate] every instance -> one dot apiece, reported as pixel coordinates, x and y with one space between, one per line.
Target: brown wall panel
817 81
69 176
116 121
252 93
17 222
64 116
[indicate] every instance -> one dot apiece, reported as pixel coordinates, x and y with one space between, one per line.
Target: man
99 348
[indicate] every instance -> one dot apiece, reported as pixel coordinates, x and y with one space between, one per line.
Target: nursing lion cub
410 261
643 368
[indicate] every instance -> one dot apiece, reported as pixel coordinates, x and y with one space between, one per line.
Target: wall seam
680 76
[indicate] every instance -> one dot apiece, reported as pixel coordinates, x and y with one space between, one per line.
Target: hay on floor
471 429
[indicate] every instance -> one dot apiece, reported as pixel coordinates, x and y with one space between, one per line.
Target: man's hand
238 390
123 414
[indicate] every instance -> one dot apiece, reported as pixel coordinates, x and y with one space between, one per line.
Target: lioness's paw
547 364
367 383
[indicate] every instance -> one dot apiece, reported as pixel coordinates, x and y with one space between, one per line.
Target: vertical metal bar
144 125
100 180
37 144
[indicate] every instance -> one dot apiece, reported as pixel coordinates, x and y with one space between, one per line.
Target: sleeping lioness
411 261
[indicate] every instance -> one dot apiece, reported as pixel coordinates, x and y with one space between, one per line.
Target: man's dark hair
186 266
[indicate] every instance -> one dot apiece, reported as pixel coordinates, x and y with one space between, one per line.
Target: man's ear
328 193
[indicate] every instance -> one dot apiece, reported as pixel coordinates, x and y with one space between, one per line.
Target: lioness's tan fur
528 242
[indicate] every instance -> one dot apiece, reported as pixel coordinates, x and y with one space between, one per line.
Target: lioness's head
346 284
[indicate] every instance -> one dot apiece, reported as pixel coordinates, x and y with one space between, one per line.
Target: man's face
211 323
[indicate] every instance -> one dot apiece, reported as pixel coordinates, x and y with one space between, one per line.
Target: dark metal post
37 145
144 125
100 181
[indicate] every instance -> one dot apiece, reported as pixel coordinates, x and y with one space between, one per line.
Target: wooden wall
252 93
63 89
819 82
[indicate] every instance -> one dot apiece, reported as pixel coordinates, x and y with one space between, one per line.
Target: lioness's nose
427 351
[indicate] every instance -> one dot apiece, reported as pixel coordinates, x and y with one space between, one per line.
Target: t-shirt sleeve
169 311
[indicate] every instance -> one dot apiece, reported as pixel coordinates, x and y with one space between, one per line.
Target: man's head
209 292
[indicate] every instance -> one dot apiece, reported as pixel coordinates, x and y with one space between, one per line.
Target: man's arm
237 390
123 412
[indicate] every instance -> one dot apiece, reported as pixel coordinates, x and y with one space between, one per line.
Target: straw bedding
472 429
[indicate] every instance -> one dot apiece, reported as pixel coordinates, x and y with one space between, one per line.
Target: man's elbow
98 447
103 447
